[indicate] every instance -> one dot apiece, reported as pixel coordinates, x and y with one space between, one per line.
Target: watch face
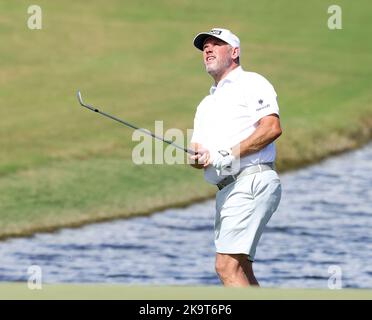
223 153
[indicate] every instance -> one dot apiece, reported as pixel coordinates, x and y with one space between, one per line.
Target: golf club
132 126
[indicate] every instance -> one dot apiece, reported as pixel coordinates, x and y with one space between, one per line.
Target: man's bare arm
267 131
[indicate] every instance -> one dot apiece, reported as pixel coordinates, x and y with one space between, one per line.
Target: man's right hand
201 159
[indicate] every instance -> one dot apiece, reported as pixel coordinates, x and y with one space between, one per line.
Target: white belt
246 171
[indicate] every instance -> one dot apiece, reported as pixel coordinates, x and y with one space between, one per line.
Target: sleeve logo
262 106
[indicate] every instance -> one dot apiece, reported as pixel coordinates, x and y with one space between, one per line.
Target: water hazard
321 233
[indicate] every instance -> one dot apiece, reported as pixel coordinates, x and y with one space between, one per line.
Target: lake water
323 225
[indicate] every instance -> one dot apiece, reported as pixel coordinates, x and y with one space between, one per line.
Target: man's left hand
222 160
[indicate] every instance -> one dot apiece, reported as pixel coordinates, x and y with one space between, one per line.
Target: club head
80 98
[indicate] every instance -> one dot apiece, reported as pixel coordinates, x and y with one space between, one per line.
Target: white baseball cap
223 34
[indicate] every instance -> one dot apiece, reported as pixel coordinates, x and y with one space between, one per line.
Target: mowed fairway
61 165
20 291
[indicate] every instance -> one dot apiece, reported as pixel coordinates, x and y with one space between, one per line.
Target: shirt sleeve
264 100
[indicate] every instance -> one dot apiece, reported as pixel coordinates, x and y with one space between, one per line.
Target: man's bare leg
248 270
235 270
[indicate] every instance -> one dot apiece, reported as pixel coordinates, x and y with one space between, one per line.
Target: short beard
218 68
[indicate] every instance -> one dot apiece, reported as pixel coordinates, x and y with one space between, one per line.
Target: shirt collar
231 77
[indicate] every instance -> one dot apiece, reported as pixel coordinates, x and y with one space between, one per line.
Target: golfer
234 129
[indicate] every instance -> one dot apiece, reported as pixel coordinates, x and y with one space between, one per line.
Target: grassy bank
63 166
20 291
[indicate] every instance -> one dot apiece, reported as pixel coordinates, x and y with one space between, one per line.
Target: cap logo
218 32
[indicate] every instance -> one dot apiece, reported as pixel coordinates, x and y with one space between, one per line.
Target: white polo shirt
230 114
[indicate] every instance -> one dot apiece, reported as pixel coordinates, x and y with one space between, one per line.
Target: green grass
74 192
20 291
62 165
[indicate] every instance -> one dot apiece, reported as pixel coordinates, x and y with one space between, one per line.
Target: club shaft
133 126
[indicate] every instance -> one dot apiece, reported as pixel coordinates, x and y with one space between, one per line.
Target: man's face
216 55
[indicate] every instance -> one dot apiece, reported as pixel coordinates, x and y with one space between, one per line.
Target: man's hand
201 159
222 160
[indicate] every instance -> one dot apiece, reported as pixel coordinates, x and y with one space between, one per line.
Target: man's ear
235 53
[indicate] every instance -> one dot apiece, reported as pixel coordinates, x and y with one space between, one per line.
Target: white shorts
243 208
